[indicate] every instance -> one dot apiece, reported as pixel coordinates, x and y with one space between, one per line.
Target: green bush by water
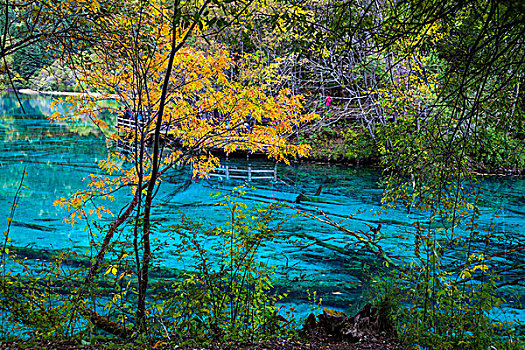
430 309
228 296
224 295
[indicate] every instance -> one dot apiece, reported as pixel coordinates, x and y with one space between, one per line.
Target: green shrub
432 309
228 296
341 143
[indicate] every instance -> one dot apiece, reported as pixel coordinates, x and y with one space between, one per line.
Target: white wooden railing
126 122
248 174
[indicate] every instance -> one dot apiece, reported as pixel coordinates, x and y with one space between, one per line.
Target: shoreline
63 93
353 163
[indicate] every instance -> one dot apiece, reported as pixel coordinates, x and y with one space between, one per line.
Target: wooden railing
126 122
249 173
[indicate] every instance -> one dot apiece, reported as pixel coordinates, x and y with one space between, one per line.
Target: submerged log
107 325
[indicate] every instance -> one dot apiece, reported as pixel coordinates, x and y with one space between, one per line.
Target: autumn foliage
208 106
186 98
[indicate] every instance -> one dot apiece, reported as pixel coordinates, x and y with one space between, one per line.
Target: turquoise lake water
58 158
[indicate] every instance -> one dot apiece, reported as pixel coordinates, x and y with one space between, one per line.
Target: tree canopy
431 89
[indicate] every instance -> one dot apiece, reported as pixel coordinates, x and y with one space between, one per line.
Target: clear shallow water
58 158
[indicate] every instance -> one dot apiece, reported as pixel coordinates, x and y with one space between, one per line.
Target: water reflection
58 157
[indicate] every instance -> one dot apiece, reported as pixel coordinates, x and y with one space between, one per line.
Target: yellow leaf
95 6
159 343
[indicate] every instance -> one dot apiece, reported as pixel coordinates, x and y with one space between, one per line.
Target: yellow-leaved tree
182 97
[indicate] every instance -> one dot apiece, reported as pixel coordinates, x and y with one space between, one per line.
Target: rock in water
309 325
332 322
336 324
